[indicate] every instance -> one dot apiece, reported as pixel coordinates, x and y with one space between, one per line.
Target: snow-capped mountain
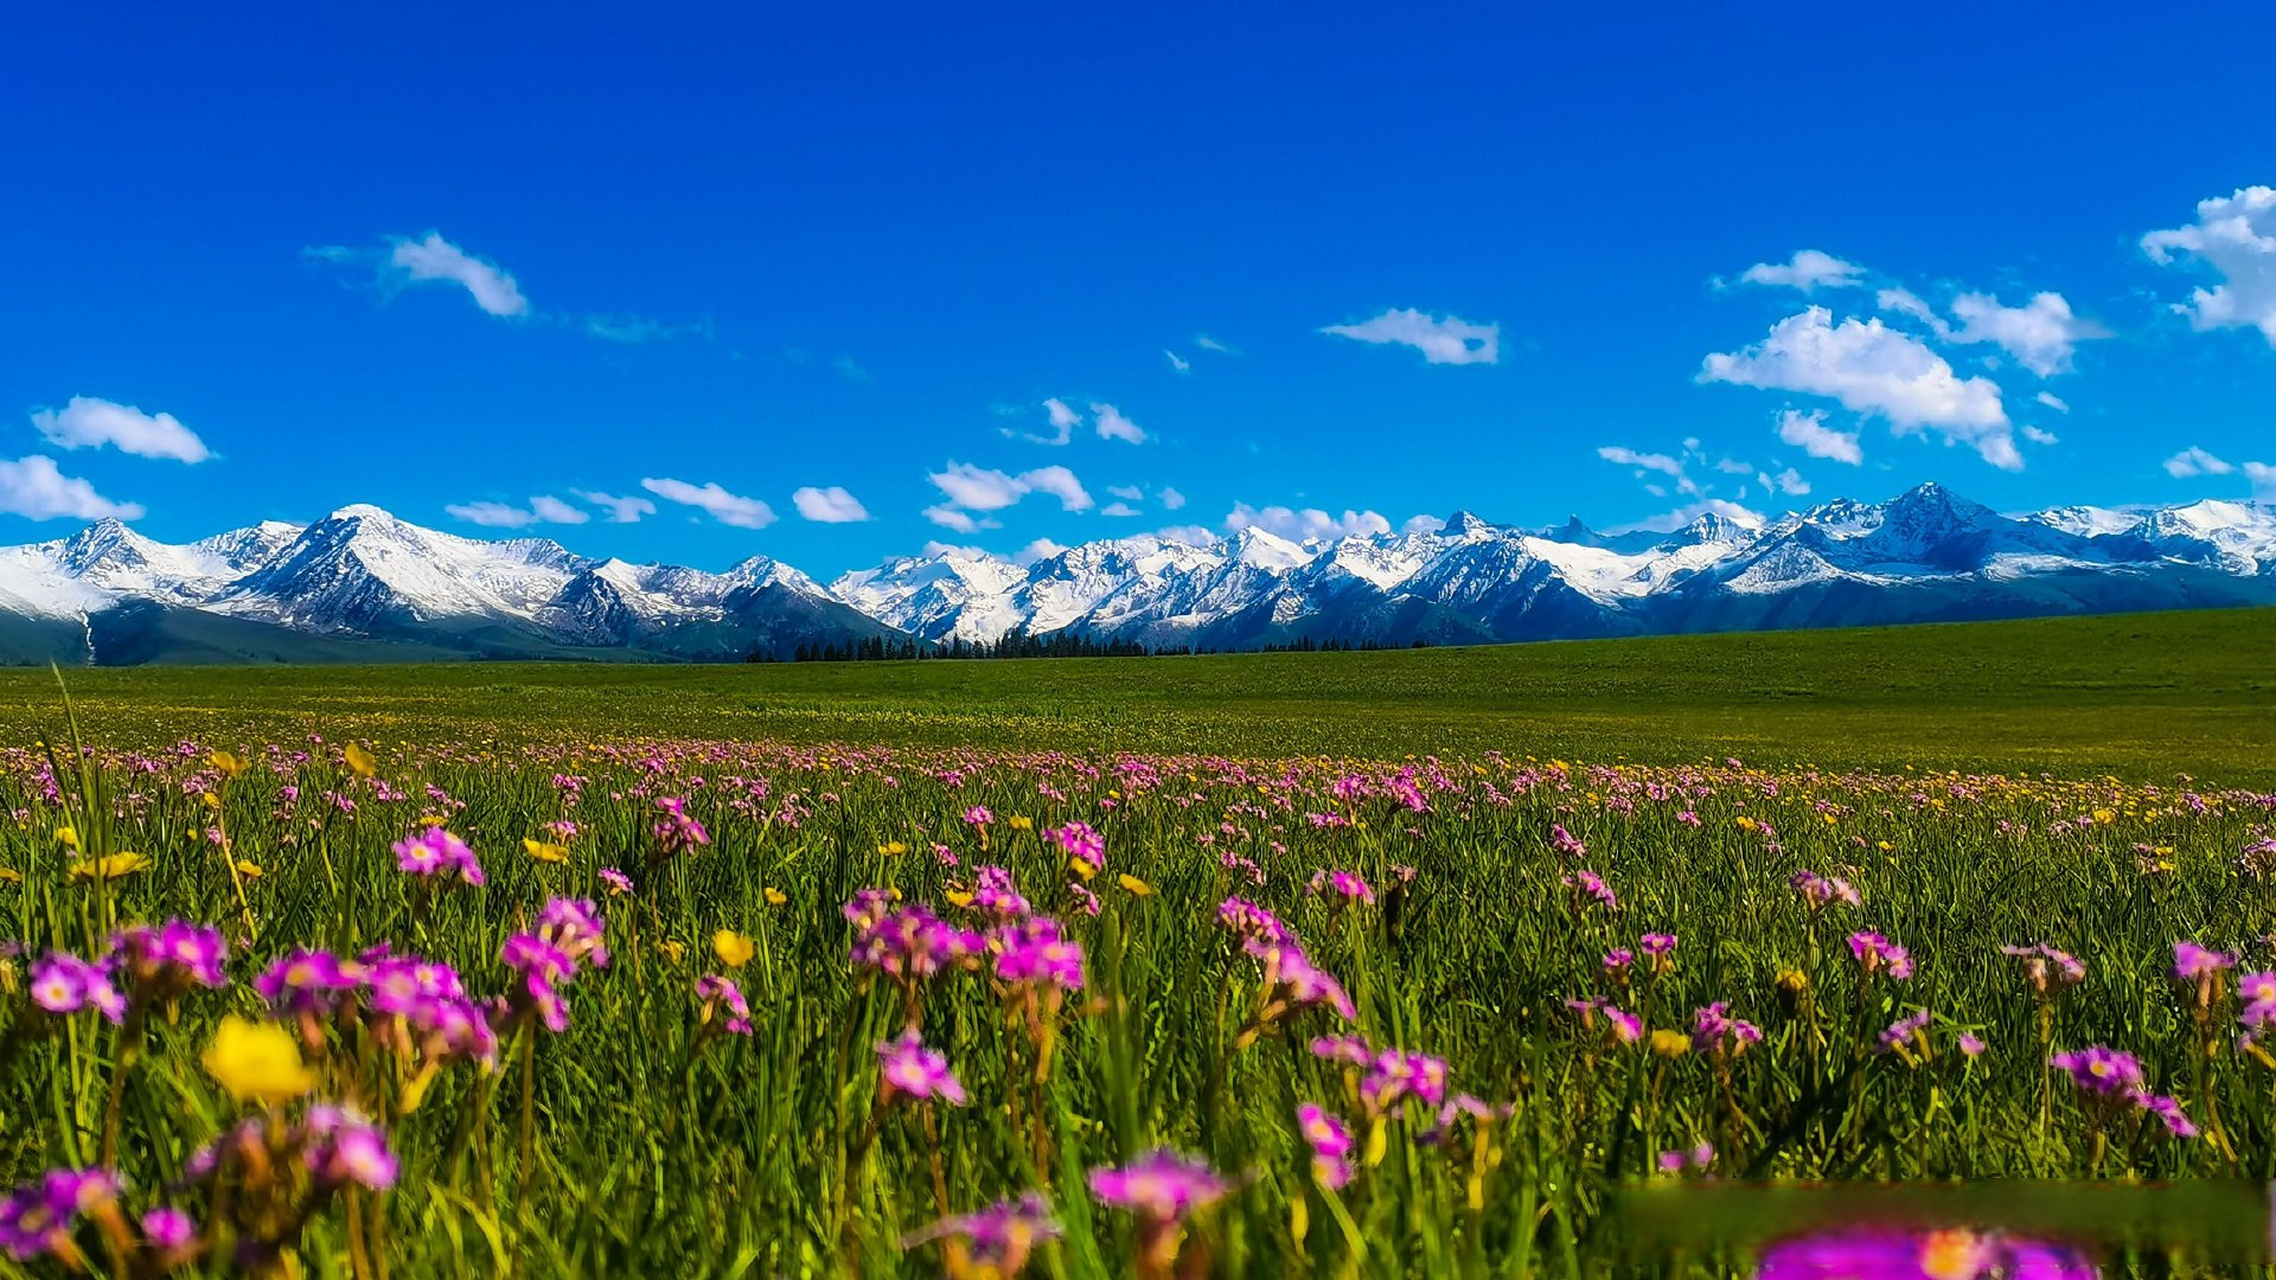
361 584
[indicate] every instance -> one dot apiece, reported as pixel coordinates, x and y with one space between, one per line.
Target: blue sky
476 265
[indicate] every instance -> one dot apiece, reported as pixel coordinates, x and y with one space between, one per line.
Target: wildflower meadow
690 1007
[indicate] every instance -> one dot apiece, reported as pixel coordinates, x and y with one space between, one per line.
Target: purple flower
999 1238
995 894
1876 954
1085 901
1330 1140
1395 1076
1161 1186
1618 959
172 957
1083 843
2046 970
1696 1158
1818 891
1295 982
1970 1045
1898 1033
1564 842
1657 945
717 993
1891 1252
436 853
350 1151
615 881
1592 886
307 981
1714 1028
2102 1071
1247 920
1033 952
909 942
906 1068
62 984
167 1229
2192 963
2168 1111
1344 884
37 1218
1346 1049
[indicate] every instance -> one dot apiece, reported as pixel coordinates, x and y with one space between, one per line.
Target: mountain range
363 585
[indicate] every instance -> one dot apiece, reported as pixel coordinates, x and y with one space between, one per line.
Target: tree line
1058 644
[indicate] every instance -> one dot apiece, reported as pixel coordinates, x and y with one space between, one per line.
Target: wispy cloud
89 423
1809 433
1112 425
431 259
1808 270
37 489
727 508
1178 362
1207 343
620 510
543 509
1448 340
829 506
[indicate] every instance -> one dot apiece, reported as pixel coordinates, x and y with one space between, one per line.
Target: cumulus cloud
37 489
1170 499
1871 368
620 510
2038 435
1451 340
2194 461
543 509
2235 237
1126 492
1809 433
1311 522
969 488
1422 524
829 506
2263 477
727 508
1040 549
2052 401
89 423
1192 535
1118 509
2041 334
1808 270
1113 426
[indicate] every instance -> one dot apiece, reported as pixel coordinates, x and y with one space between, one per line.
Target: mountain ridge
364 583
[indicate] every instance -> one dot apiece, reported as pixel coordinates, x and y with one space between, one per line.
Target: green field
2142 696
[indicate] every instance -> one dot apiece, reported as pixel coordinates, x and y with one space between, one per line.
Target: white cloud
2263 477
553 510
1126 492
2194 461
2041 334
1170 499
938 548
437 259
948 517
970 488
1207 343
1684 515
727 508
544 509
2235 235
631 329
1809 433
1871 368
1311 522
1905 302
1788 482
1733 467
850 369
1177 362
492 515
1422 524
2053 401
89 423
1118 509
1808 270
1064 420
1643 461
978 488
1113 426
829 506
1060 483
1040 549
621 510
36 489
1452 340
2038 435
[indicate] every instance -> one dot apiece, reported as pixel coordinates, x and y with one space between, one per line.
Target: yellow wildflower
1670 1044
1021 822
110 868
893 848
540 851
67 837
733 949
233 766
1138 888
776 897
673 950
257 1061
249 869
359 760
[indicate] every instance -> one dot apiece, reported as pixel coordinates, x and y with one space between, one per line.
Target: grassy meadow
1432 963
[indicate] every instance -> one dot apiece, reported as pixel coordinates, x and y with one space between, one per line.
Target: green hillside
2142 695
